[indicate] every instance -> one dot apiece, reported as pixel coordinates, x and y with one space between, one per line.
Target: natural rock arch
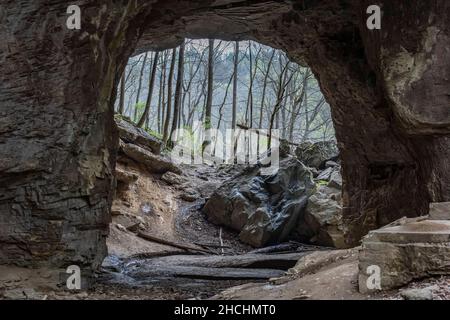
388 90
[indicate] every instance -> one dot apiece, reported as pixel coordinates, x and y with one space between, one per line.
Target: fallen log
288 247
172 244
259 132
211 245
252 261
194 272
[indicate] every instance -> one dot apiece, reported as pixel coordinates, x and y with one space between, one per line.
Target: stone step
440 211
427 231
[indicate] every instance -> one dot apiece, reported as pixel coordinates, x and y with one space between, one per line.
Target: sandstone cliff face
388 91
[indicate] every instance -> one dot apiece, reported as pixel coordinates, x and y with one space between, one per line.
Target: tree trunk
236 65
163 100
122 94
298 103
209 96
169 97
160 94
138 94
150 91
178 92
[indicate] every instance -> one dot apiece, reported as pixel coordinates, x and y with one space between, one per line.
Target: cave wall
388 90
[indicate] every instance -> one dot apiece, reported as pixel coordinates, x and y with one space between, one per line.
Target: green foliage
119 116
154 133
140 107
321 183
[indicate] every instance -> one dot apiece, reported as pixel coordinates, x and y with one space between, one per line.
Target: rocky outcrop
264 209
173 178
130 133
440 211
393 256
137 146
289 204
152 162
321 222
317 154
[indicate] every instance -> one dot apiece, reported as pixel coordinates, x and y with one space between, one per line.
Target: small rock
335 180
116 212
325 175
140 219
134 227
331 164
121 227
190 195
418 294
440 211
172 178
22 294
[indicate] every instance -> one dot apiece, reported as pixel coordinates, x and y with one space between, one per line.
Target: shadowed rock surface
264 209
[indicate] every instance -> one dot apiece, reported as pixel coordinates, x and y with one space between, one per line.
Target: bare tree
235 72
252 75
209 97
122 93
263 97
145 115
178 90
169 97
138 94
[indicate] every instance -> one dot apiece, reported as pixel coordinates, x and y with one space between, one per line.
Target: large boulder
321 222
317 154
404 251
153 162
264 209
130 133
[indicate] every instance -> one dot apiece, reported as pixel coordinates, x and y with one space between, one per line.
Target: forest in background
224 85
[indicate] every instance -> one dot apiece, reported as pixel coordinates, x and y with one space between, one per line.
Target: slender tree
235 72
169 97
138 94
178 90
209 97
145 115
122 93
263 97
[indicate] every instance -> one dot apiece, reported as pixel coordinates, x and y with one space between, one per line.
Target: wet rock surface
264 209
290 204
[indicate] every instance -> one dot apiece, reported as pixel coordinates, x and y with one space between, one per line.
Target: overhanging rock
393 256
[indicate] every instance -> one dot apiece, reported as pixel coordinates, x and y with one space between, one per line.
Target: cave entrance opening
203 86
